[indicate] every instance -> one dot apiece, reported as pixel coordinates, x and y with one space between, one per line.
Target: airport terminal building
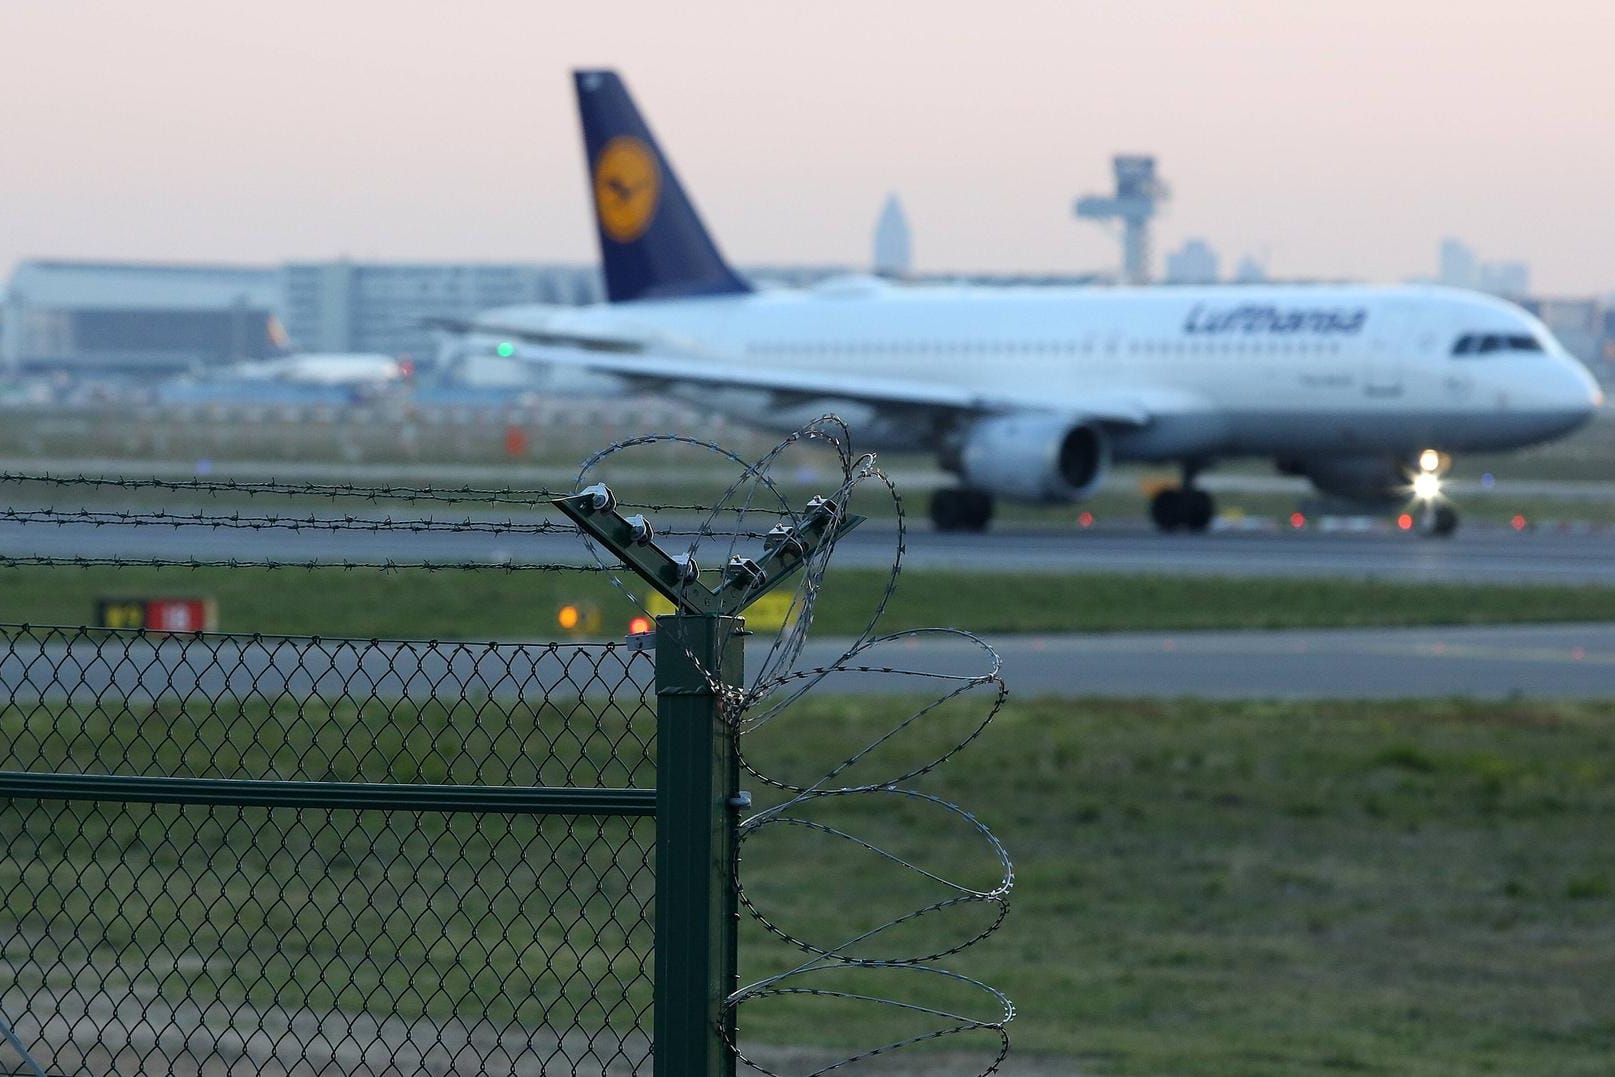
145 320
384 307
104 318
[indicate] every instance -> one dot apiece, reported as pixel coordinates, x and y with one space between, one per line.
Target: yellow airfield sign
767 614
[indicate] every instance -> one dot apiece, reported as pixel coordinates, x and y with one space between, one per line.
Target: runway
1474 555
1477 554
1530 661
1485 662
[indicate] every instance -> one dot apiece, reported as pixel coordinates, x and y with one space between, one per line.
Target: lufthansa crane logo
627 185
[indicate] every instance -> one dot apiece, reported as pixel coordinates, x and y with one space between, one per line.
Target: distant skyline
1339 139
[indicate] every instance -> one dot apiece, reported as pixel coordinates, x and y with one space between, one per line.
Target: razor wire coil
781 680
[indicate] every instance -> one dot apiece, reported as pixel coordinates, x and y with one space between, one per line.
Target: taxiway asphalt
1490 662
1478 554
1482 662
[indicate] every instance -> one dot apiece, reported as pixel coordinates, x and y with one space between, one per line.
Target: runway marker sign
173 614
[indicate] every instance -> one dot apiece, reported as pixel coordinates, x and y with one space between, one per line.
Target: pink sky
1341 139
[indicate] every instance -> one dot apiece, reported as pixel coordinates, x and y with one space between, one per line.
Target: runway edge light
579 618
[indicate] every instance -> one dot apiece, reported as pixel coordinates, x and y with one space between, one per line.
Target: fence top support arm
786 549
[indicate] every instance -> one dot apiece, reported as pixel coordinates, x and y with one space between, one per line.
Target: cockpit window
1487 343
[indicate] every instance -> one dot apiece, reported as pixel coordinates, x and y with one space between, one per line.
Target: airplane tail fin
652 242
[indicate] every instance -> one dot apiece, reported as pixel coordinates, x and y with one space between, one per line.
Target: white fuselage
323 369
1288 371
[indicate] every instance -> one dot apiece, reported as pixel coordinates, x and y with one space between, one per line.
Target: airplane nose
1578 392
1591 394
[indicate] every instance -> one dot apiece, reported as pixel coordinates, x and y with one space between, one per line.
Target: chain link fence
233 854
251 855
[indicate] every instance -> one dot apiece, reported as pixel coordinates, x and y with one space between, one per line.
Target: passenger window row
1108 346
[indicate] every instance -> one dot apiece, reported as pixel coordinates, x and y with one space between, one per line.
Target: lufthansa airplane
1030 393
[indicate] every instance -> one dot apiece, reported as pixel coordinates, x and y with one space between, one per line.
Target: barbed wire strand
537 498
74 561
272 521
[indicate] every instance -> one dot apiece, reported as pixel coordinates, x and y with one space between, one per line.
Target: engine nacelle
1035 457
1371 479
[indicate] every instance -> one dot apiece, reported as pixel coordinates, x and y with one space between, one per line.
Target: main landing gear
959 509
1186 506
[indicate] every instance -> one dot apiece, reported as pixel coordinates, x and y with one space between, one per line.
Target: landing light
1429 461
1426 485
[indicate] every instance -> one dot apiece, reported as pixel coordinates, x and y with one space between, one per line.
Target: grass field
195 920
1250 889
1218 889
496 605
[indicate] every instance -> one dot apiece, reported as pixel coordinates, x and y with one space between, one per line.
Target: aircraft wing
540 337
656 369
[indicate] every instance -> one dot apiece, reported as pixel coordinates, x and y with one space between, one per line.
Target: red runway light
1297 520
1085 520
1518 523
1405 522
639 626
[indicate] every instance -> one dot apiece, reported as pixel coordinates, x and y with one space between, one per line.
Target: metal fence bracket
699 661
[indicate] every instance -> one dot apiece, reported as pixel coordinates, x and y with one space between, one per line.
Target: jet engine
1369 479
1034 457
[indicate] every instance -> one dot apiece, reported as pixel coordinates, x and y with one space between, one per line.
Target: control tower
1138 194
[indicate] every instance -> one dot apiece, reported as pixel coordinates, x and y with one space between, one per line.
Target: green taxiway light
506 349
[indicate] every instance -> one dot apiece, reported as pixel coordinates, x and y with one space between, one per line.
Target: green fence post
698 763
697 838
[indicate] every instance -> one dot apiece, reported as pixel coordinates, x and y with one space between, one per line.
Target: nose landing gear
1437 521
959 509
